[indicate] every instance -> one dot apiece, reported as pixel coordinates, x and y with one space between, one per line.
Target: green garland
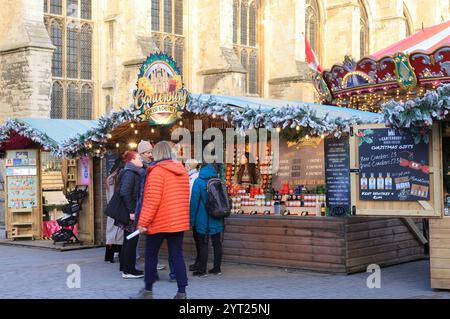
417 115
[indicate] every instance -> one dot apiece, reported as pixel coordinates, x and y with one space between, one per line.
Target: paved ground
39 273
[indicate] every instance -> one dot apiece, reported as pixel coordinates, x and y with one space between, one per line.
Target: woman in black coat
129 184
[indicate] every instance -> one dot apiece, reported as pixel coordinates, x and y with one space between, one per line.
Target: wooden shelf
22 224
23 236
27 210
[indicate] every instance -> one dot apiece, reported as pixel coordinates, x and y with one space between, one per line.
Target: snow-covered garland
417 115
289 116
79 145
28 132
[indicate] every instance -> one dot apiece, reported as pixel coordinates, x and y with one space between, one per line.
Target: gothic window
56 7
312 20
73 83
167 27
86 9
86 52
245 39
85 112
72 52
57 59
155 15
73 102
168 16
57 101
363 32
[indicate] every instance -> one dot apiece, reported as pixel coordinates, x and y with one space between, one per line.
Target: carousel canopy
428 39
401 71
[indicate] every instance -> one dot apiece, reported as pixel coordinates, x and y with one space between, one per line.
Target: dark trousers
128 253
197 246
217 246
110 250
175 246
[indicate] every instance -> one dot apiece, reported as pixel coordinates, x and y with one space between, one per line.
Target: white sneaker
131 276
160 267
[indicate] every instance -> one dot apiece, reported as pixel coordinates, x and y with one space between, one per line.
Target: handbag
116 210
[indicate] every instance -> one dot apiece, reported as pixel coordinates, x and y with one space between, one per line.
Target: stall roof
269 104
59 130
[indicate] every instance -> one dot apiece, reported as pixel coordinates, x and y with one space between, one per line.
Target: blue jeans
175 246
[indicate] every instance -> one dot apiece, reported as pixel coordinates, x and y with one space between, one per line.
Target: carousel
401 72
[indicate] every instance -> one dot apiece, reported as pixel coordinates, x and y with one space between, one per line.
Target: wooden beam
416 231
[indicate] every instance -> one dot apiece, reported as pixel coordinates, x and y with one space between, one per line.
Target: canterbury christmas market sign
159 97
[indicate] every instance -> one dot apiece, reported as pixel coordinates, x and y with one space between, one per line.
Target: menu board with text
337 175
300 163
392 166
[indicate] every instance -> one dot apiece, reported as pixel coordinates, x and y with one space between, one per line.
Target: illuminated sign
159 97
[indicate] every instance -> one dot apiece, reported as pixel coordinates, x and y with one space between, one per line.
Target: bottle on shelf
380 181
388 181
363 181
372 182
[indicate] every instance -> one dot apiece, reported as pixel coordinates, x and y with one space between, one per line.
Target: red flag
311 58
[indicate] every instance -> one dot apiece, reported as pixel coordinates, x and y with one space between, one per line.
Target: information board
337 175
392 166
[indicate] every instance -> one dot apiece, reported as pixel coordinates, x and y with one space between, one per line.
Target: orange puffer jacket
165 204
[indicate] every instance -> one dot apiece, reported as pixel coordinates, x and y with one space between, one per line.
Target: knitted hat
144 146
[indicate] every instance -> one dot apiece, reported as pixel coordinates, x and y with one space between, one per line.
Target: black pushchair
71 212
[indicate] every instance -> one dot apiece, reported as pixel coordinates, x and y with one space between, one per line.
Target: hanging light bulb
214 116
278 129
90 145
132 145
322 136
298 128
307 137
153 130
117 145
132 125
180 123
109 136
136 132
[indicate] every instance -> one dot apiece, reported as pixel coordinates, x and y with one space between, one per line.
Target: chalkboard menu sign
300 163
392 166
110 160
337 175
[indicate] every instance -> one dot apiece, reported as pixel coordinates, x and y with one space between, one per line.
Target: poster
84 161
337 175
22 192
392 166
301 163
110 161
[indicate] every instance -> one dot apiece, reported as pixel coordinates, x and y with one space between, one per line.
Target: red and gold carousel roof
403 70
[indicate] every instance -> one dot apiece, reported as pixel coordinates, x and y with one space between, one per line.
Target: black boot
109 253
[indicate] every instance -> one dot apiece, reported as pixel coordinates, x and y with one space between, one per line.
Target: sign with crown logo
159 97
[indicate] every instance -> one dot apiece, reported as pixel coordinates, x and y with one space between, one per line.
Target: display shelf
22 224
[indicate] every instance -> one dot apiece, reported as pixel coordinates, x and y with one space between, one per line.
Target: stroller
71 212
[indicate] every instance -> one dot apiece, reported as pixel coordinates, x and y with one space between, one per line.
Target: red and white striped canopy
427 40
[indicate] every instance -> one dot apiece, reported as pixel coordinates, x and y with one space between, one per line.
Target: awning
267 105
49 133
428 39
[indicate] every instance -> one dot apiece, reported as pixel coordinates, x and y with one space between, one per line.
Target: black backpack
218 203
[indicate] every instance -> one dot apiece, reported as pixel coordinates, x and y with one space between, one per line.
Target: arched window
71 29
363 31
246 43
73 102
85 112
312 20
86 52
408 21
56 111
72 52
56 35
170 37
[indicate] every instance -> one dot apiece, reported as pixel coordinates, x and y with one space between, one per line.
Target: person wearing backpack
205 225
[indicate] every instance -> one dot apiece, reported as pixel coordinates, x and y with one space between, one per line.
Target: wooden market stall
300 215
40 182
407 82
